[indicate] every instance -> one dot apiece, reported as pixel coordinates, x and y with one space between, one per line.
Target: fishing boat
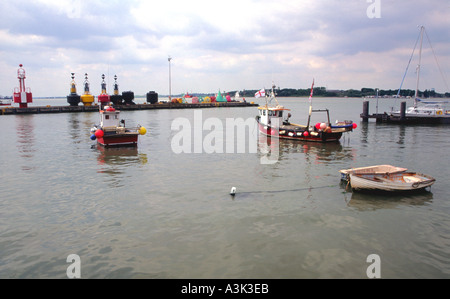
422 111
375 169
271 123
390 182
112 130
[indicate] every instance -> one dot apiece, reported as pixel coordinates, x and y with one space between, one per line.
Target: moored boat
423 111
429 112
271 123
112 130
5 102
390 182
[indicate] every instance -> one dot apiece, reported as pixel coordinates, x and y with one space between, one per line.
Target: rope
435 58
279 191
407 67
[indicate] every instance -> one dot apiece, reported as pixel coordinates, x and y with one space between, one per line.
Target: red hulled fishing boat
271 123
112 130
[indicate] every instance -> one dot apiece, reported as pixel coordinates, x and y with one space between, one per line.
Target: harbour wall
95 108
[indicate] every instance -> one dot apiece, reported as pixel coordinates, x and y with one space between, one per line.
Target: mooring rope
279 191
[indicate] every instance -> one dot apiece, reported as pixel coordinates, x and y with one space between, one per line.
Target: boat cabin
109 117
266 114
427 110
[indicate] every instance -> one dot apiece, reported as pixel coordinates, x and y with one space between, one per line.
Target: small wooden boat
390 182
375 169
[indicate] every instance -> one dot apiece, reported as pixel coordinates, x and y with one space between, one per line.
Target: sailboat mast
422 28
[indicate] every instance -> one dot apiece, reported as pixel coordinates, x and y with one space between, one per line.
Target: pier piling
365 114
402 110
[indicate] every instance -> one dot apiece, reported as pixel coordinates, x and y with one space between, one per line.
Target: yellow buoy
142 130
87 99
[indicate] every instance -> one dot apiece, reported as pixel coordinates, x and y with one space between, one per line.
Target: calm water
150 213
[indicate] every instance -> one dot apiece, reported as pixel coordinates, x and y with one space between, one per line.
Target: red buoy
99 133
104 97
317 126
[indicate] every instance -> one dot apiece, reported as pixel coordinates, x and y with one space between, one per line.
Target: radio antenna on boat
272 94
310 102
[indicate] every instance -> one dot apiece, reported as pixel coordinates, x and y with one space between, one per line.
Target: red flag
312 89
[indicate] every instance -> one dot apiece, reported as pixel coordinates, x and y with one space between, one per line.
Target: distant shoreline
318 92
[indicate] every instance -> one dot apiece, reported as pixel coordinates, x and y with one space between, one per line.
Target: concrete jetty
145 106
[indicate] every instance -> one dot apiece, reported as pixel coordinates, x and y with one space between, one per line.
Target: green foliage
364 92
323 92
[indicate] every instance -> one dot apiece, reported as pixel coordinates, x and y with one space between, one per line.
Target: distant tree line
363 92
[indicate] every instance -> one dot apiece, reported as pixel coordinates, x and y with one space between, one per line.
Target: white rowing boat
390 182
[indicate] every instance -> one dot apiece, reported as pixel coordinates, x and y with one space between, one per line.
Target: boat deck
293 127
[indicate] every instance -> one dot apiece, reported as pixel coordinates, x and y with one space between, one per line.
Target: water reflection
115 162
74 127
122 155
381 130
364 128
25 139
373 201
316 152
268 148
401 135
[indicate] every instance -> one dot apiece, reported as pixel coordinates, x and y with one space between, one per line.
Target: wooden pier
145 106
402 118
383 117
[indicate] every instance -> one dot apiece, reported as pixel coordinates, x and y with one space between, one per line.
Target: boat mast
422 28
272 95
310 103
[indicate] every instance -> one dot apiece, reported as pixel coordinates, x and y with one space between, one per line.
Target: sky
222 45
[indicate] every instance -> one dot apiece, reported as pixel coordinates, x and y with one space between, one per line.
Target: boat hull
398 182
420 119
126 139
295 132
5 103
